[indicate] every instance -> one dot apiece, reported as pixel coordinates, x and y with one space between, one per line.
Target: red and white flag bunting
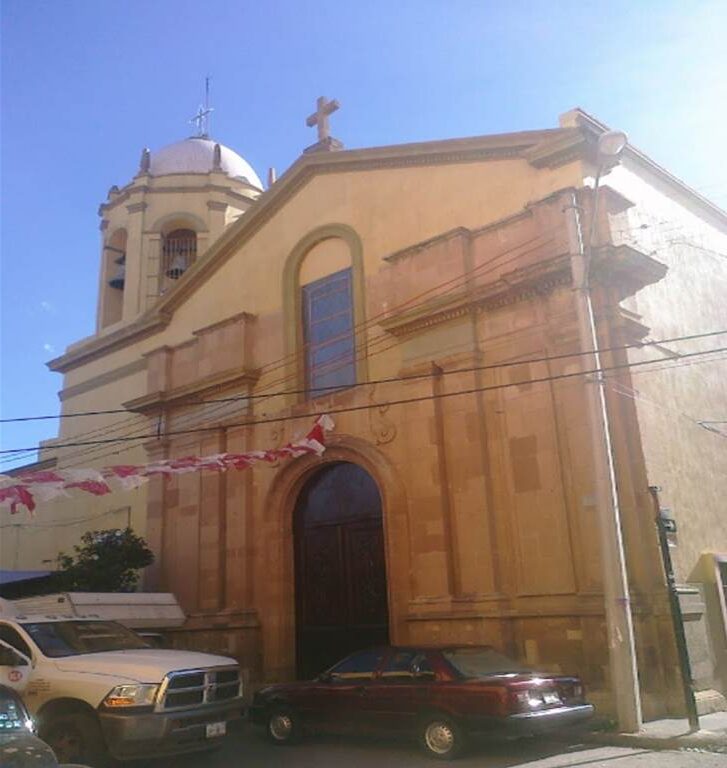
23 490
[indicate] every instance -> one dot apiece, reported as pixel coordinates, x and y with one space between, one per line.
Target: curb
708 740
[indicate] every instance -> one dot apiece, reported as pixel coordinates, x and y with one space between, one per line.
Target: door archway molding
277 595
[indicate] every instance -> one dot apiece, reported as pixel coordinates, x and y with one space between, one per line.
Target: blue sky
86 84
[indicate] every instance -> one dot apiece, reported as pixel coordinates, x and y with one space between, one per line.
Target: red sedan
440 694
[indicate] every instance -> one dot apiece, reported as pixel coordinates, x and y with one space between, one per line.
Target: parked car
97 690
440 694
19 746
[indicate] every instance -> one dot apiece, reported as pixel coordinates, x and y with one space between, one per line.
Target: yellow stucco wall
389 208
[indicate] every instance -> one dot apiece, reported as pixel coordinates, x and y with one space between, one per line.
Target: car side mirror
324 677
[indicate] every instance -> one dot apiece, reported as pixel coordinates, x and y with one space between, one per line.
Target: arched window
179 250
324 307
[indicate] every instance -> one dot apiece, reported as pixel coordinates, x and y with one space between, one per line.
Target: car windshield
70 638
480 662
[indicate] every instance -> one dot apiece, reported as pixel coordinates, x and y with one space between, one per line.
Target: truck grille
199 687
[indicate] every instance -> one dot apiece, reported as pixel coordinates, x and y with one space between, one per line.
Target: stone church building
423 296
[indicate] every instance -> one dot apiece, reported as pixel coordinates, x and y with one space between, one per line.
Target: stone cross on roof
320 117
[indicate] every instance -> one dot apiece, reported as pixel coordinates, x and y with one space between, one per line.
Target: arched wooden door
341 602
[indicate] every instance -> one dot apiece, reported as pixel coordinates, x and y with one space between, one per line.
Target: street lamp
610 146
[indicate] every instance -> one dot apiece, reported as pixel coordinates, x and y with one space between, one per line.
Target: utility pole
666 525
619 624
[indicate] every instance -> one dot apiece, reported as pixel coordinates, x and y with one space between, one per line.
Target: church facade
423 296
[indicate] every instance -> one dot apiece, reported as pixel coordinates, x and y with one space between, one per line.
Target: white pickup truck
96 690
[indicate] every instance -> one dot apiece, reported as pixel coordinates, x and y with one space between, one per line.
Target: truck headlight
131 696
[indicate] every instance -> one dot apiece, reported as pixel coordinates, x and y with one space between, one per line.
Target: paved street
245 746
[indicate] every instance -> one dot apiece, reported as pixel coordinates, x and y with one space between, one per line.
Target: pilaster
216 217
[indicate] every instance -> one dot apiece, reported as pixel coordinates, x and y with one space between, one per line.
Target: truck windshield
480 662
70 638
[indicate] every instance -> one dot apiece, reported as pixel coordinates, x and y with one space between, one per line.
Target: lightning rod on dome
202 118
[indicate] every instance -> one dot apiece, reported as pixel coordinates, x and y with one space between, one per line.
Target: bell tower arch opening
179 251
340 567
113 277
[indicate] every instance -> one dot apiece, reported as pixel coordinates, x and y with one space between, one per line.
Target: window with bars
179 250
330 350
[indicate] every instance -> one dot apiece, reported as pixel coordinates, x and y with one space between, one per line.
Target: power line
386 380
404 401
358 329
65 523
668 364
634 394
656 226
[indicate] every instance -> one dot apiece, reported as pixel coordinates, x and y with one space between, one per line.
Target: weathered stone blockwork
484 470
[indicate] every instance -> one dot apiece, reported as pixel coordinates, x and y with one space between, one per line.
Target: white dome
196 155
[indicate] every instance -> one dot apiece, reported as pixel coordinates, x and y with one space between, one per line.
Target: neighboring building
447 517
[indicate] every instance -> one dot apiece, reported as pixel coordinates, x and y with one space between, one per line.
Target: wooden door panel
323 596
341 591
366 566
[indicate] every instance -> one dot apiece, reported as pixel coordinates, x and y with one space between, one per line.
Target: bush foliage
105 561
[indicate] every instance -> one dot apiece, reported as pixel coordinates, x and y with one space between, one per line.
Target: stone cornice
558 150
247 195
248 317
308 166
516 285
592 128
551 143
269 203
156 401
626 269
412 250
96 347
113 375
622 267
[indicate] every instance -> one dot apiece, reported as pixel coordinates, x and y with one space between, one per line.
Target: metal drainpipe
622 650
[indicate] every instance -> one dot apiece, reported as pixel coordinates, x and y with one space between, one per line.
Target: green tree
105 561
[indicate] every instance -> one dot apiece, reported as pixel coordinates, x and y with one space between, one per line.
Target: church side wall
691 466
685 459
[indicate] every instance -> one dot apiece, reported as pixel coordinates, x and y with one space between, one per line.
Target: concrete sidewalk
670 734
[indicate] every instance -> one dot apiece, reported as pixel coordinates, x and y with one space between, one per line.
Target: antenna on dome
202 118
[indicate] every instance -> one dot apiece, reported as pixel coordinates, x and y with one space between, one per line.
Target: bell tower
157 226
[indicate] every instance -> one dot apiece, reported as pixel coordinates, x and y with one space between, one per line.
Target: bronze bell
177 268
117 281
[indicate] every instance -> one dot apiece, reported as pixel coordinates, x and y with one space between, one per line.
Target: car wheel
442 738
76 737
282 726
